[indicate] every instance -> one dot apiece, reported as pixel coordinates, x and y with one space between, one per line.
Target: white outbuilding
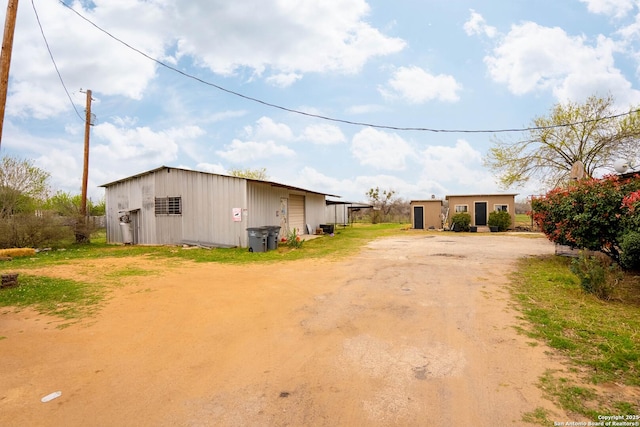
171 205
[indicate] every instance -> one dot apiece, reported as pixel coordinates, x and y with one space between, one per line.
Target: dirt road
412 331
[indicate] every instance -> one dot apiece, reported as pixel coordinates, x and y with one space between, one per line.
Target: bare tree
593 133
382 202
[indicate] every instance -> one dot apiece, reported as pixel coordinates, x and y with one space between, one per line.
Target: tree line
32 215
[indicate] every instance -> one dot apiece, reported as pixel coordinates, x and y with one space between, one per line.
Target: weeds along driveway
413 330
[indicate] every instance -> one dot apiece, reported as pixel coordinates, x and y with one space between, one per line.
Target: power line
54 61
327 118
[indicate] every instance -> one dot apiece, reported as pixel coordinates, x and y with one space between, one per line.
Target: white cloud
212 168
242 152
323 134
615 8
85 57
141 145
302 36
223 36
381 150
476 25
312 179
284 79
418 86
267 129
402 188
533 58
460 164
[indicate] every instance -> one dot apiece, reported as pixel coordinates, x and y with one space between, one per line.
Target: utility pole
82 234
5 56
85 171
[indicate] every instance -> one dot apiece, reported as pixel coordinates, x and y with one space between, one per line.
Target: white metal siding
208 201
315 210
337 214
134 194
207 207
264 206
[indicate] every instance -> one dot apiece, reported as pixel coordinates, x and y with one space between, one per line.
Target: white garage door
296 213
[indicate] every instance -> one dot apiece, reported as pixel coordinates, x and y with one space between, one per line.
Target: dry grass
17 252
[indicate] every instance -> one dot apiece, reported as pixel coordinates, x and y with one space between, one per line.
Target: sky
217 85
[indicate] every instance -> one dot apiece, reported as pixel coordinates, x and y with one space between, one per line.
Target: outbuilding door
480 209
418 217
296 213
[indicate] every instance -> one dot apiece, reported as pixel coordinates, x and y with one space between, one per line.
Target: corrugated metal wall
315 207
265 207
207 206
135 194
208 203
337 214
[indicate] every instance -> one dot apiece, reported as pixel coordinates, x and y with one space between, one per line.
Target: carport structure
341 212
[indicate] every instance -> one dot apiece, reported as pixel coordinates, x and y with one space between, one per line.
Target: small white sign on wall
237 214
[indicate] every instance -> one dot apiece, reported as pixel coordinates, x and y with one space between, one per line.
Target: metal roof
351 204
273 184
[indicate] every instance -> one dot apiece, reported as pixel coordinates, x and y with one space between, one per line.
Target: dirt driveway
413 331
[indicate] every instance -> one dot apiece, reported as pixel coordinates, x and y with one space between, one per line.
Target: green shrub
293 240
461 221
501 219
598 276
590 213
630 251
31 231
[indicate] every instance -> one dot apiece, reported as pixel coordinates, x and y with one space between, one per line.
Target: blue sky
463 65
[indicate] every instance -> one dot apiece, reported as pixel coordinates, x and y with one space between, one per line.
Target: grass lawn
601 339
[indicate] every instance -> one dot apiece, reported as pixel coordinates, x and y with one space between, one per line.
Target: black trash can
258 239
272 238
327 228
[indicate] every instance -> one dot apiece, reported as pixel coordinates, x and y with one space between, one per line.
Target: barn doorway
296 213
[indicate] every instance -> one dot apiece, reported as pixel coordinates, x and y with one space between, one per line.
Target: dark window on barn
502 208
168 205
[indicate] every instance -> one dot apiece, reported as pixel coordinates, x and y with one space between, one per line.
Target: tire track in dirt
411 331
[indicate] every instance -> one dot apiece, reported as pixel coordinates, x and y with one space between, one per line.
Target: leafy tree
593 133
67 204
22 186
97 209
382 202
63 204
259 174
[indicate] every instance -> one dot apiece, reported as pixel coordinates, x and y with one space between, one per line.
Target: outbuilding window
461 208
168 205
501 208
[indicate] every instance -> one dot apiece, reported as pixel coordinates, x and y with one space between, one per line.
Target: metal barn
176 206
